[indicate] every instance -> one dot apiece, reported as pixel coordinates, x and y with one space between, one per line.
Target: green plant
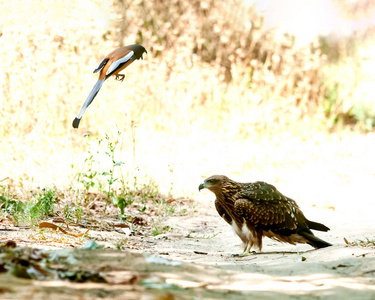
111 146
123 197
32 210
43 207
157 226
69 211
12 207
366 242
122 202
148 191
78 213
142 208
182 210
331 97
46 201
89 174
121 244
160 229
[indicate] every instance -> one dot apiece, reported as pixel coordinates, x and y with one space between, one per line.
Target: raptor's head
214 183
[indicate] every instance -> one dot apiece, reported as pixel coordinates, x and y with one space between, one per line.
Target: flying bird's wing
119 64
101 65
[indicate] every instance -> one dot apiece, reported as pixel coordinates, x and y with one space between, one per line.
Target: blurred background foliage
44 58
214 73
324 76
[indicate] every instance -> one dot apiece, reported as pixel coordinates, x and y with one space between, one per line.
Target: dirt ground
197 259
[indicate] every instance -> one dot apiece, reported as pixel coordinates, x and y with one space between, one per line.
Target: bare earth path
205 245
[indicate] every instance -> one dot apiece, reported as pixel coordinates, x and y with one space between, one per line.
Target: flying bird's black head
138 50
213 183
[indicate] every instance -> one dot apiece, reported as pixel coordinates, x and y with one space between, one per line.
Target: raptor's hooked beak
202 186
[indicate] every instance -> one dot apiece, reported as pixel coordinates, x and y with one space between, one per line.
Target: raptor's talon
246 253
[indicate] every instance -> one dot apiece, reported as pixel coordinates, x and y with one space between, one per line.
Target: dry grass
247 103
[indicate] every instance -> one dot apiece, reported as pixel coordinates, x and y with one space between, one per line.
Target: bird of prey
258 209
111 65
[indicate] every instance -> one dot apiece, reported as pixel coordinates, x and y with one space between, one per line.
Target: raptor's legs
120 77
247 251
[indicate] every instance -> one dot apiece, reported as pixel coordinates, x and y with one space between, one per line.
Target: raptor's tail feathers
314 241
88 101
316 226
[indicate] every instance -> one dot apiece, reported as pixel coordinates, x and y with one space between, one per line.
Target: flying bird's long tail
88 101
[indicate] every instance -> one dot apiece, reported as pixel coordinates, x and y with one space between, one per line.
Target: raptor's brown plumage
258 209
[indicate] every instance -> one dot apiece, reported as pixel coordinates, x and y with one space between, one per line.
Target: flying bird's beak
202 186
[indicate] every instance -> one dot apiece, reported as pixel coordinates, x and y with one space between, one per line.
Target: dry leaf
55 227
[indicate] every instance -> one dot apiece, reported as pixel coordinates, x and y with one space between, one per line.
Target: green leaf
112 180
142 209
115 200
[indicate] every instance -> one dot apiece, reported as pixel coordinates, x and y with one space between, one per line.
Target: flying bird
258 209
111 65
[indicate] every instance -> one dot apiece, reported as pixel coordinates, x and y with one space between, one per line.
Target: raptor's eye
212 181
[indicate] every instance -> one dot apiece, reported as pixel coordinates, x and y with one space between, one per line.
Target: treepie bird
111 65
